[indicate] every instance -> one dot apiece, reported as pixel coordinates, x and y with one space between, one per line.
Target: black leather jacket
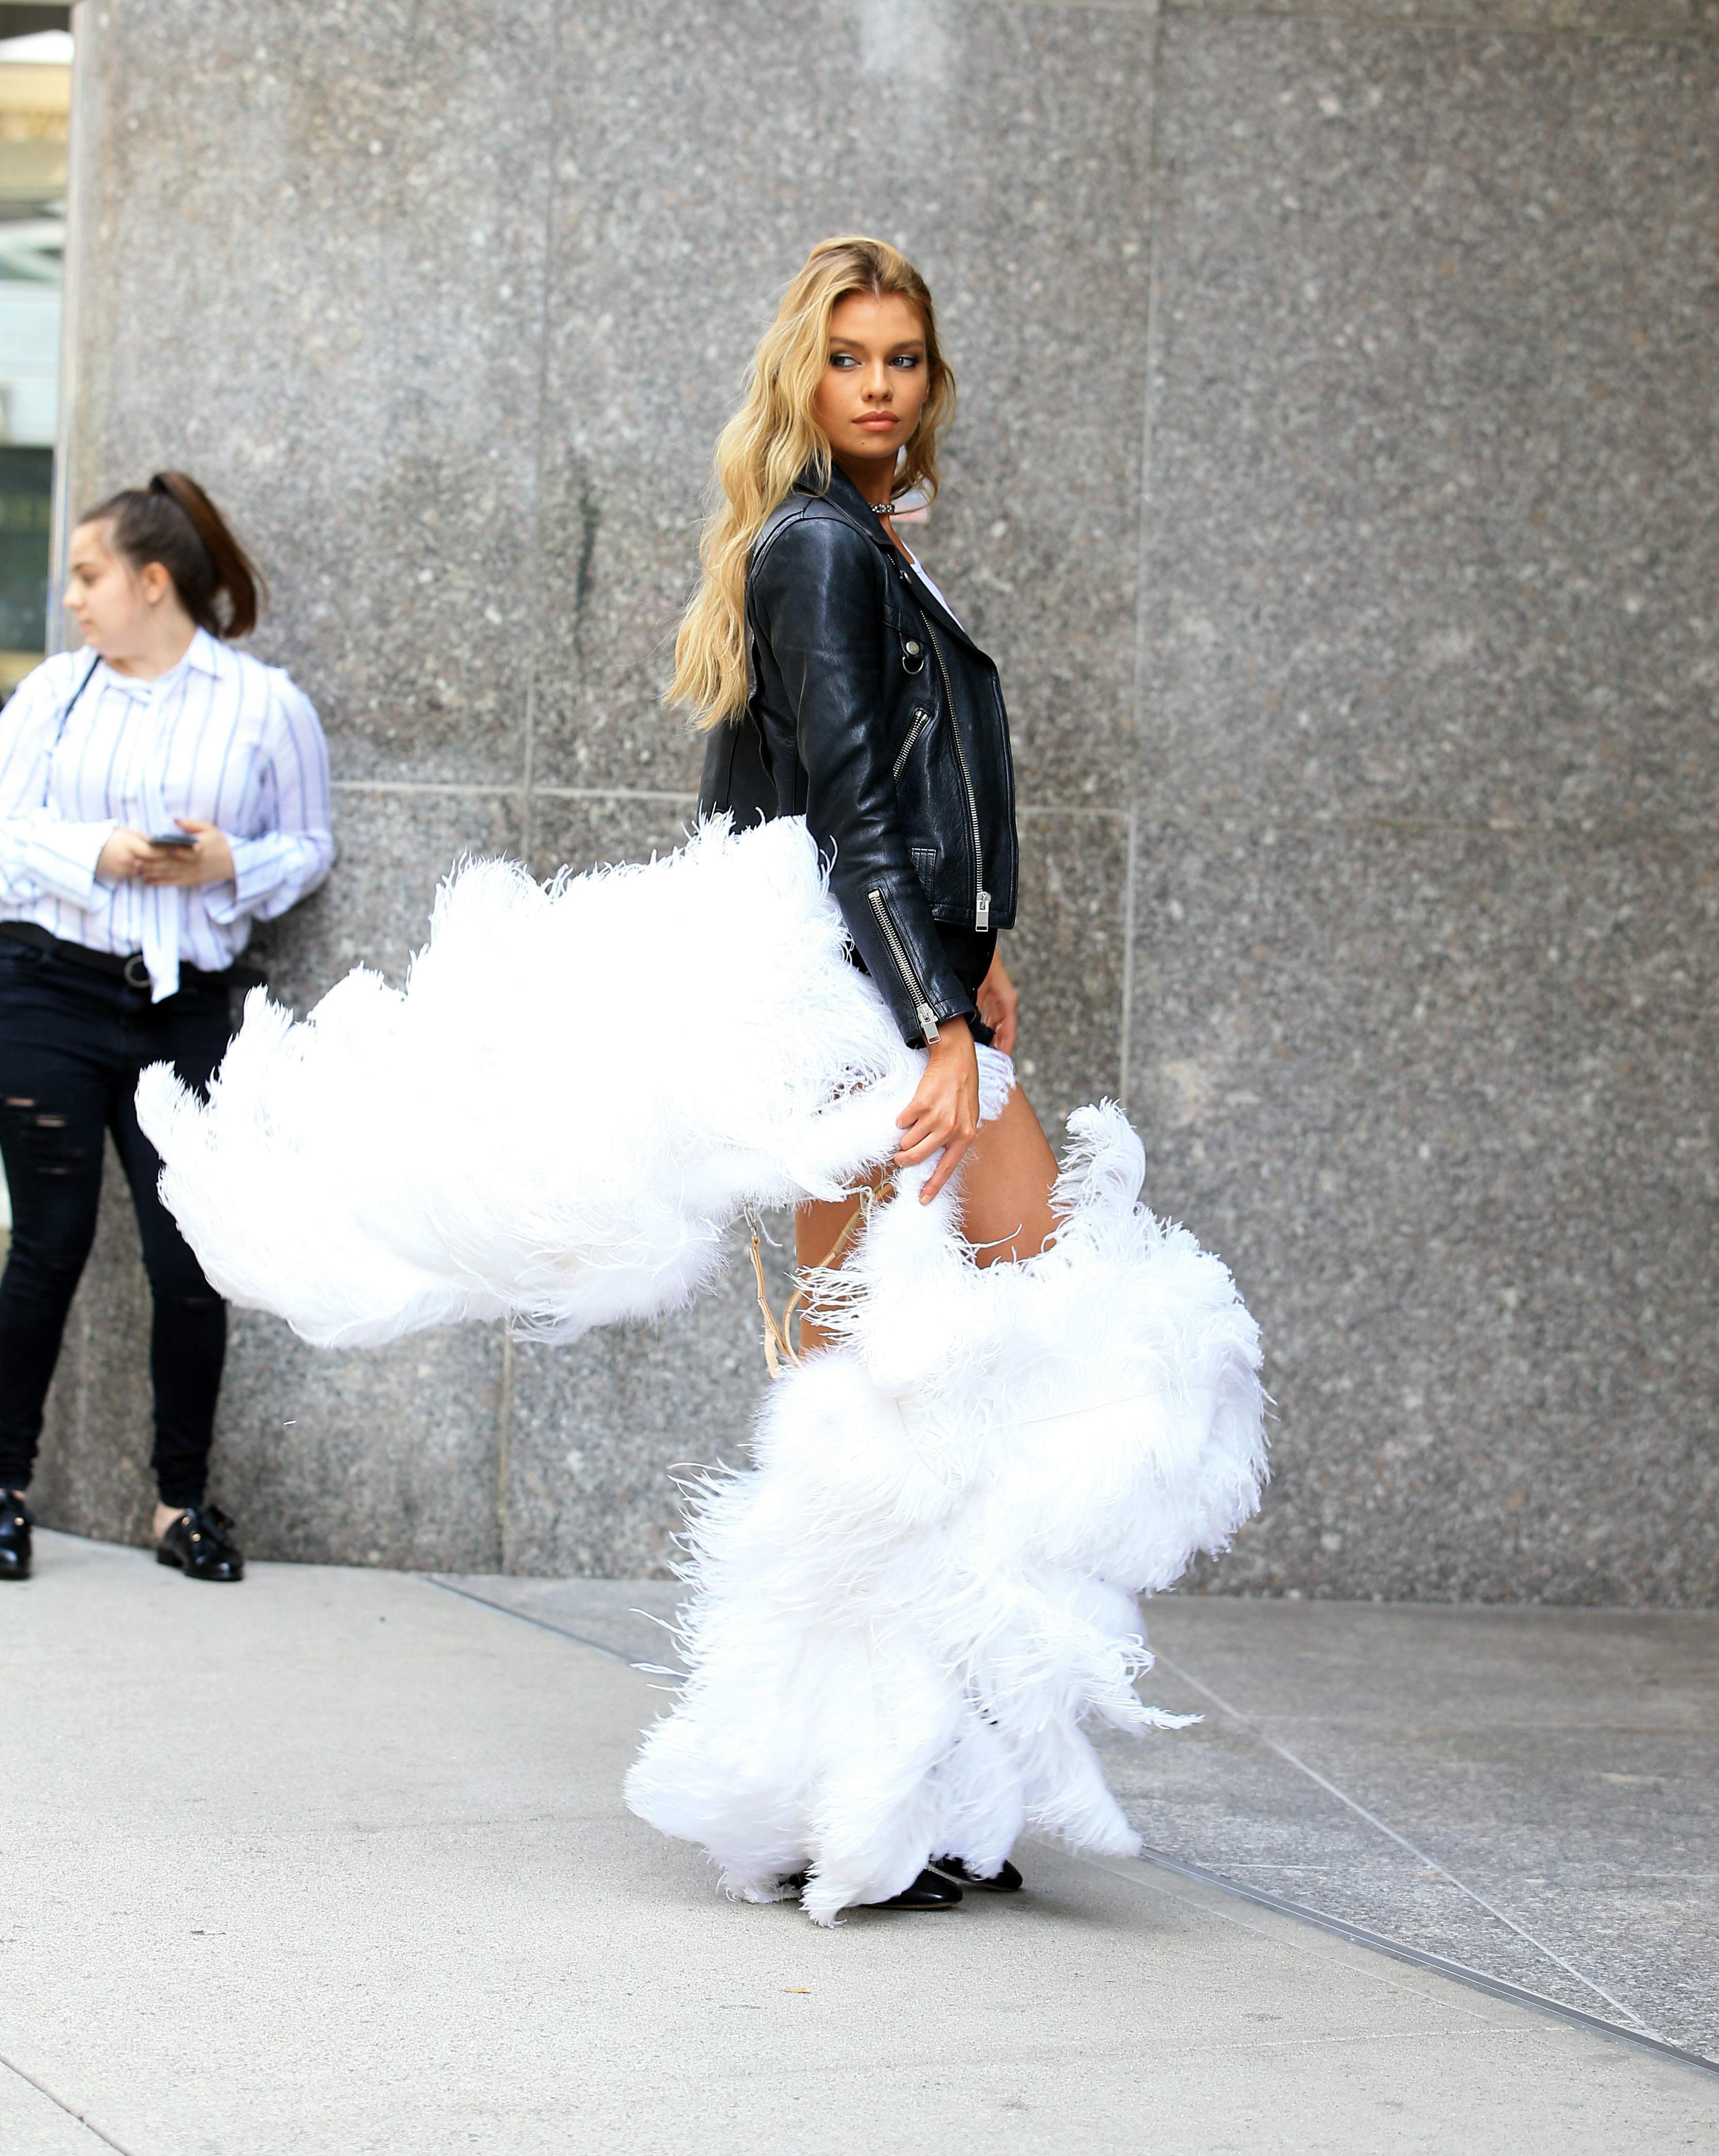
873 714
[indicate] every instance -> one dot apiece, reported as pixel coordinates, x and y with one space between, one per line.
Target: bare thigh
1005 1185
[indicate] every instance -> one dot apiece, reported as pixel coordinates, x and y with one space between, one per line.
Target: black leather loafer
1007 1881
200 1544
927 1892
16 1521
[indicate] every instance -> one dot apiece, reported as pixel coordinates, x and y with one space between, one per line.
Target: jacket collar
841 494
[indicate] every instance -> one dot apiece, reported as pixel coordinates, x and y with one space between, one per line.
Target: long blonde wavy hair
774 438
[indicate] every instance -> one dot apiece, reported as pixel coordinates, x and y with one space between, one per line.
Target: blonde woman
838 684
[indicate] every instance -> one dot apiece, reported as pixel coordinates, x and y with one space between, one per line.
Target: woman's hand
123 857
945 1110
210 861
998 1003
131 855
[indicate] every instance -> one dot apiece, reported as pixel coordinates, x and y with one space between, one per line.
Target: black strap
66 712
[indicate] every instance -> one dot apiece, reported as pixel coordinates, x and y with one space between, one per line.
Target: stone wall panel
603 1432
395 846
1004 148
1441 1101
372 1456
1067 957
317 283
1621 18
1434 525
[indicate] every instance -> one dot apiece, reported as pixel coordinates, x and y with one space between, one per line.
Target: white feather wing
555 1120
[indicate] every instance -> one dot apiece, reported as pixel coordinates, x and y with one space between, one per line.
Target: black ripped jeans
72 1044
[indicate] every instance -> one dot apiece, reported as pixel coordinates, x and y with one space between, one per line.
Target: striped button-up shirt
221 737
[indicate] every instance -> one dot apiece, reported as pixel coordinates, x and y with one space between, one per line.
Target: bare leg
1005 1185
1006 1181
818 1229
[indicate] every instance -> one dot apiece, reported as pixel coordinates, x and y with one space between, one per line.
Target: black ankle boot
927 1892
16 1521
200 1544
1007 1881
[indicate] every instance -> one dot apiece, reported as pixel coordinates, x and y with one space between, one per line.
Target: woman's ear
154 582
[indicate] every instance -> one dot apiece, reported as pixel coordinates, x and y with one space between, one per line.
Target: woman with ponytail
159 792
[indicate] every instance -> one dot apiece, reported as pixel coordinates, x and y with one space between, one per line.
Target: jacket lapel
842 495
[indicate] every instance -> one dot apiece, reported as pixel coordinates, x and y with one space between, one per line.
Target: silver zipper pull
981 910
898 950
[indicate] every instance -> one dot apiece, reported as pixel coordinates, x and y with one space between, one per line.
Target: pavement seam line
1402 1842
59 2103
523 1617
1419 1957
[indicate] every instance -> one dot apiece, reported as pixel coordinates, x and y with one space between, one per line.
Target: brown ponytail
174 522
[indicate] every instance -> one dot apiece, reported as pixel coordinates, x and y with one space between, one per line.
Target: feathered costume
901 1613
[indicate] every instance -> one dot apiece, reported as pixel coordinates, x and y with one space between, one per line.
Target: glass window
35 106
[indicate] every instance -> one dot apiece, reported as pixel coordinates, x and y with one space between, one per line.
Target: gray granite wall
1335 479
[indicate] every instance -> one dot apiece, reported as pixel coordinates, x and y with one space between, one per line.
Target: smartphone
172 838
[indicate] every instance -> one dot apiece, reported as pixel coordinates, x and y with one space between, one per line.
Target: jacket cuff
943 1011
945 999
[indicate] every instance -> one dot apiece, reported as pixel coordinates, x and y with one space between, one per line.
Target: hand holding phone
197 852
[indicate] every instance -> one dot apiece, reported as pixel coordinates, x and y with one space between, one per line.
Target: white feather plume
576 1091
902 1613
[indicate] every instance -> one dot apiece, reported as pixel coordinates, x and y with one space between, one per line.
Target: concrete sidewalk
337 1861
1530 1793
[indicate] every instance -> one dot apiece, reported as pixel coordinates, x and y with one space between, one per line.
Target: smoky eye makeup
841 357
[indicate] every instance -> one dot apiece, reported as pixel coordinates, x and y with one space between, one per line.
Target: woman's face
108 599
874 385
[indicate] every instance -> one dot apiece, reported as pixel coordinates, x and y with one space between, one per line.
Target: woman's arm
817 602
817 593
41 853
293 853
943 1115
999 1005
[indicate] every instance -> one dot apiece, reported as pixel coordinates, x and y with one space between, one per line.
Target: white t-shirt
924 576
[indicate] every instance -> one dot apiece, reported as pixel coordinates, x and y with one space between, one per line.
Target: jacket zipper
898 951
921 720
981 898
